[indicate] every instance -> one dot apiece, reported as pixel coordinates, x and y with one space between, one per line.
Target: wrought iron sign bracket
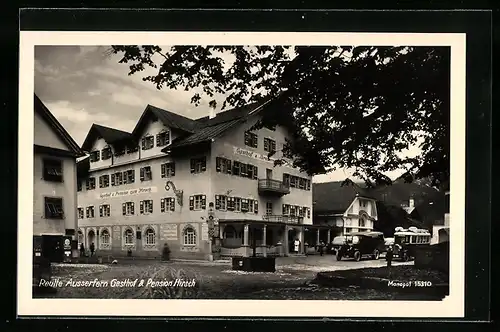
178 193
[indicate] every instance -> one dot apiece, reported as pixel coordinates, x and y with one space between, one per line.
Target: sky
82 85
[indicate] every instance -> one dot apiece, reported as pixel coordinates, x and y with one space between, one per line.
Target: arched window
150 236
363 218
229 232
105 237
129 236
189 236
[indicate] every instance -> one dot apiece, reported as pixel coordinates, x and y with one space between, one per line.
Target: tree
349 107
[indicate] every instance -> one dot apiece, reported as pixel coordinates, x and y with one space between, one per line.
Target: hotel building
54 186
167 180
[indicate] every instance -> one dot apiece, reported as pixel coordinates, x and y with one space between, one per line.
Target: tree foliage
349 107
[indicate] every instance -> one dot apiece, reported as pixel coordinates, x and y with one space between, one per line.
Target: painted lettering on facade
169 232
130 192
256 155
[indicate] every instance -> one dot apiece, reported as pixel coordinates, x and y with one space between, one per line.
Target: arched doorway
90 238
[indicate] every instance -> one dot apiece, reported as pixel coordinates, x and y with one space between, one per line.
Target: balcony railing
273 186
279 218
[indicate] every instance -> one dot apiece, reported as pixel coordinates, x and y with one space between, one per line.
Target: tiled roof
335 197
174 120
110 135
45 113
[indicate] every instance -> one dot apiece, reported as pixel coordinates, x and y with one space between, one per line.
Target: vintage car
407 240
362 244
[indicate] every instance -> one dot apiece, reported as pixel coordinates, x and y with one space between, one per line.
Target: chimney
412 202
211 113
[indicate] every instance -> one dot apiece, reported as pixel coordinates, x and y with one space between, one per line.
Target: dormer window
106 153
163 138
95 156
147 142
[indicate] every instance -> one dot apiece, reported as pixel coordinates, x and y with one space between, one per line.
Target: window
293 181
119 150
168 170
189 236
286 179
286 209
286 151
90 212
269 145
129 237
129 176
236 168
229 232
105 237
52 170
78 185
54 208
230 203
104 210
90 183
150 237
128 208
221 202
198 165
251 139
132 148
106 153
244 205
252 172
117 179
163 138
167 204
301 211
223 165
302 183
198 202
146 206
308 185
269 208
293 210
308 213
237 204
104 181
80 213
95 156
147 142
146 174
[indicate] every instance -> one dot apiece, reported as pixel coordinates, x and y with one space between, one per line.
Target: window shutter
217 164
113 179
132 209
142 174
204 202
192 165
191 202
141 207
256 206
157 139
217 202
150 206
162 205
204 164
228 165
283 210
100 211
173 169
124 208
308 213
172 204
255 172
163 170
132 178
308 185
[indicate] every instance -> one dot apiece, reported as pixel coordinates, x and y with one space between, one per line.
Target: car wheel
357 256
376 254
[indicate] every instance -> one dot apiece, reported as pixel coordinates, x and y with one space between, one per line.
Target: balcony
273 187
278 218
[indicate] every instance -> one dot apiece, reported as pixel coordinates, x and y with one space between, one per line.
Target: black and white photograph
301 167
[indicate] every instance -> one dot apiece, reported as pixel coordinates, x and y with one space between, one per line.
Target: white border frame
451 306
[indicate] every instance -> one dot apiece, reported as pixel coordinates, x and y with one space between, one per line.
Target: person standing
321 248
389 256
82 250
92 249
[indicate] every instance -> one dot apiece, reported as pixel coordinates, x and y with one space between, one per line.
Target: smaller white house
345 206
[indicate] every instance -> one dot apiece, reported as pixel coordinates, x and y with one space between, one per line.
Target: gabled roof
44 112
336 196
169 119
208 129
391 216
110 135
82 167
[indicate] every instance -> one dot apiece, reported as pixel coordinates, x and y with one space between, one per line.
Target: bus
406 240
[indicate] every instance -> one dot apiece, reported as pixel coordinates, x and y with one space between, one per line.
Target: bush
165 254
